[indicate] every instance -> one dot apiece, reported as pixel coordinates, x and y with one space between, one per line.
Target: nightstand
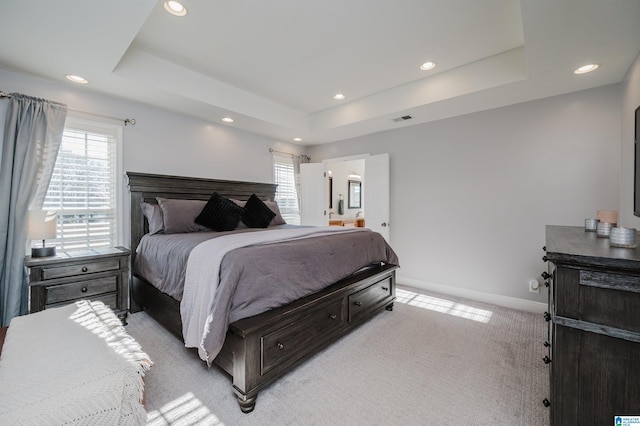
94 274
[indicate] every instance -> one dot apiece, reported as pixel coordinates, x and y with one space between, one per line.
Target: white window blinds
83 188
286 193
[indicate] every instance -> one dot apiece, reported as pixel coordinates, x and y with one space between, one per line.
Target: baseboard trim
481 296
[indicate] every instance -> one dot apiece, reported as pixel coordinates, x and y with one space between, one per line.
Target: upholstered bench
71 365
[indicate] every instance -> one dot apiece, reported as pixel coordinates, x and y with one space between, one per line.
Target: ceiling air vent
403 118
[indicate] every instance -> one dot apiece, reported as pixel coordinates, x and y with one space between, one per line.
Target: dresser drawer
369 298
51 272
81 289
597 296
298 338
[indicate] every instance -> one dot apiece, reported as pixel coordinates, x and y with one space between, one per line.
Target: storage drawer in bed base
252 341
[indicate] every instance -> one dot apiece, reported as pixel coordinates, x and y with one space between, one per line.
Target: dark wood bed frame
259 349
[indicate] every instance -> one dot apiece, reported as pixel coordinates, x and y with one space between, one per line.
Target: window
286 193
84 187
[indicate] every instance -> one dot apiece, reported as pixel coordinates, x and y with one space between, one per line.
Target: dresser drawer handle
84 269
280 346
333 316
385 288
546 359
84 289
357 303
546 402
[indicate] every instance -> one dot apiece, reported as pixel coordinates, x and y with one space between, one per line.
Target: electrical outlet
534 286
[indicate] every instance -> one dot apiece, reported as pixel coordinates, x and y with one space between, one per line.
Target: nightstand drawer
80 290
52 272
109 299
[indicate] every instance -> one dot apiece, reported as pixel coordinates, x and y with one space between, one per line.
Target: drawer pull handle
546 344
84 269
333 316
357 303
547 317
546 359
546 402
84 289
385 288
280 346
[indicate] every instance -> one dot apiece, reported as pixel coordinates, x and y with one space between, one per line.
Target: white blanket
203 276
71 365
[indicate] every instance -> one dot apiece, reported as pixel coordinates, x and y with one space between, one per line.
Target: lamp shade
42 225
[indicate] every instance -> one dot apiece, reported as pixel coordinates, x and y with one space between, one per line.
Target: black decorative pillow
256 213
220 214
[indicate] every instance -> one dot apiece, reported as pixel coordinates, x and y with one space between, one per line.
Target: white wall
470 196
630 101
164 142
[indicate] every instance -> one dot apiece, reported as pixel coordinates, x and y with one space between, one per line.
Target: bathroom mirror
355 194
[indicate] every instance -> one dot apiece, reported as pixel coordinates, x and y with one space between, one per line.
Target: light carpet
433 360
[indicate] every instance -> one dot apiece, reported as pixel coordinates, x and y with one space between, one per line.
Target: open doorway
320 196
346 203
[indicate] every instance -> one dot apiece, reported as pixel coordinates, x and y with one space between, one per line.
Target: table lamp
42 226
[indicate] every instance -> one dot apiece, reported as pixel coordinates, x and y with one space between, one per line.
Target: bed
258 349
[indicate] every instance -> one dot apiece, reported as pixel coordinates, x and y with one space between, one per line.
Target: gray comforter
257 278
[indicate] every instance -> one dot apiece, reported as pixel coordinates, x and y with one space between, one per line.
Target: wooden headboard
146 187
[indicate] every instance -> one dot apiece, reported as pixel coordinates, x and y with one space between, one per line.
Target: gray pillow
278 219
179 215
153 213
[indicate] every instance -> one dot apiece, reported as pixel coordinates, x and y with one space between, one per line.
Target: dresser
593 337
94 274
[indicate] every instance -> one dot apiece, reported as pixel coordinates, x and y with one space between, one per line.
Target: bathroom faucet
331 214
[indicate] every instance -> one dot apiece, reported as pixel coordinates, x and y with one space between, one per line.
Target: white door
313 195
376 194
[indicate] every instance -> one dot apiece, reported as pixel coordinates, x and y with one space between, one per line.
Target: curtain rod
282 152
127 121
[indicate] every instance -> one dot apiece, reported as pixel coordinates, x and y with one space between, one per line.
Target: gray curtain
28 149
297 160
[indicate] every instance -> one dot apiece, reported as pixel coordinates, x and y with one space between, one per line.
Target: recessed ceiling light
227 119
297 139
77 79
338 96
175 8
586 68
427 66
